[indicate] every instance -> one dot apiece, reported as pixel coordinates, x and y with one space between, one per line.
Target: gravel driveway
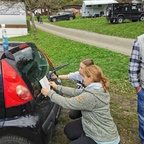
116 44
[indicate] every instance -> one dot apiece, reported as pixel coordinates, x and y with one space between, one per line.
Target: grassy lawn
114 66
100 25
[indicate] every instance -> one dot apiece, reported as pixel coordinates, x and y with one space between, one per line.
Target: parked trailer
95 8
13 15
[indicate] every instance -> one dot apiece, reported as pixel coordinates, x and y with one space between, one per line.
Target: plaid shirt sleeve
134 65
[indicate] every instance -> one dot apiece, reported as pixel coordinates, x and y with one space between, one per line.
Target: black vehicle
118 12
62 15
26 116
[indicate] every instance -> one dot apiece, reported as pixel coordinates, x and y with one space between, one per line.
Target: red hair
96 73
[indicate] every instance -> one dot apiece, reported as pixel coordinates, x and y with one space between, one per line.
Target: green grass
100 25
114 66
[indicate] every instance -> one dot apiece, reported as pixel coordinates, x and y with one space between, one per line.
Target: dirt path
116 44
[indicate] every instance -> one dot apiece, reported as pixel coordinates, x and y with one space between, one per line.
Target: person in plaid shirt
136 74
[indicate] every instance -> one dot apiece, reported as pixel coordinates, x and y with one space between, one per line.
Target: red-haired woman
98 126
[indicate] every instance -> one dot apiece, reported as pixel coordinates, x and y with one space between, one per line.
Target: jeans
140 111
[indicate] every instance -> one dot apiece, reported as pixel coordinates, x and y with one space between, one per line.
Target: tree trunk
33 24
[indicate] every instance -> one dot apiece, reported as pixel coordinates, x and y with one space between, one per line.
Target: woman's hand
53 84
45 91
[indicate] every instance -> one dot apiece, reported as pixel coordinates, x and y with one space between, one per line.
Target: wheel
70 18
13 140
120 19
54 19
112 21
96 15
142 18
101 13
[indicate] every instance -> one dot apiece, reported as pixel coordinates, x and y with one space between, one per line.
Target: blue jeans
140 111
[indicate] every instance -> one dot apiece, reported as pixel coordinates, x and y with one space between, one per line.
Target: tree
32 6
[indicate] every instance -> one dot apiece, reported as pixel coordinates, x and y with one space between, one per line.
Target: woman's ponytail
105 83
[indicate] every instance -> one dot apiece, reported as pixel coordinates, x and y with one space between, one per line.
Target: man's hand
138 89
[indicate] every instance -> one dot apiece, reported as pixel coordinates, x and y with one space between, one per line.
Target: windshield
60 13
109 7
33 65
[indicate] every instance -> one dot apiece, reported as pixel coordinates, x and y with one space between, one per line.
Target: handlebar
56 69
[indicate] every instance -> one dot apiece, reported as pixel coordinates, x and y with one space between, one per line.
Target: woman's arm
62 77
65 90
85 101
69 91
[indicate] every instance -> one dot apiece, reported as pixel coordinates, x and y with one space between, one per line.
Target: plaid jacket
135 65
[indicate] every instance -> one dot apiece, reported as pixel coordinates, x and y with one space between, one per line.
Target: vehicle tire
96 15
70 18
112 21
54 19
120 19
13 140
101 13
142 18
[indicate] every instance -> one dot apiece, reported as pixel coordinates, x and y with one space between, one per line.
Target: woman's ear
91 79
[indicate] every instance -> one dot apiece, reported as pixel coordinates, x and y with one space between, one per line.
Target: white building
13 15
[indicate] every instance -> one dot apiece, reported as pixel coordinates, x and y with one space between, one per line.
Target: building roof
98 2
